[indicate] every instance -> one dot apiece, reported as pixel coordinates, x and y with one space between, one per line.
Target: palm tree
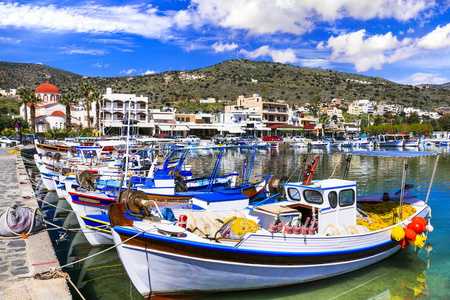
86 89
33 100
24 94
67 100
97 97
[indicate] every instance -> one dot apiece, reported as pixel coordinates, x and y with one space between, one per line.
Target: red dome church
47 92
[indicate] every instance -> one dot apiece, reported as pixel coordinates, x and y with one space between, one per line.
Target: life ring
133 158
120 155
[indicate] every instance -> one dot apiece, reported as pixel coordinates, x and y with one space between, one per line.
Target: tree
24 95
444 123
33 100
67 100
96 97
413 119
86 89
378 120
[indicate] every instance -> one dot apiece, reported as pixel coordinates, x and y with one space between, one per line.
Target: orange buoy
410 234
417 227
421 221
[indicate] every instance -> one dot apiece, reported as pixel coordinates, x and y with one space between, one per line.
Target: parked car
16 137
218 138
32 137
6 141
249 138
178 138
232 138
191 139
299 139
272 138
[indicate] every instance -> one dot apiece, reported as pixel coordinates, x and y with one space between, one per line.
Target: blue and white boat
312 235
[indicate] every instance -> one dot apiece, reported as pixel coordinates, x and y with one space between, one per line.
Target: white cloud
281 56
220 47
90 18
128 72
148 72
425 78
437 39
367 52
296 17
99 65
4 40
315 63
84 51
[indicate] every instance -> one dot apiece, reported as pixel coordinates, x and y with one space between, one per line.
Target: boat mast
128 136
402 194
432 178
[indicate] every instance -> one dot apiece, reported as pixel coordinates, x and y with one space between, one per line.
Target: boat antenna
310 171
347 166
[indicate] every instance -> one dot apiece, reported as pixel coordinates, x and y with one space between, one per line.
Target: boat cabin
333 200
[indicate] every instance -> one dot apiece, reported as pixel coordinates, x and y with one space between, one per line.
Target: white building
49 114
115 108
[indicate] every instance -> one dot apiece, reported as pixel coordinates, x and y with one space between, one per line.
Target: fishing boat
314 234
411 141
390 140
318 144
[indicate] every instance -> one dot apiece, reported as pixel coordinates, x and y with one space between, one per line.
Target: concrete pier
21 259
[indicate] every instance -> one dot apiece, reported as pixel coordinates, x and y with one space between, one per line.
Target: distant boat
391 141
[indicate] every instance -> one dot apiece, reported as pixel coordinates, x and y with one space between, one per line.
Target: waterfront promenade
21 258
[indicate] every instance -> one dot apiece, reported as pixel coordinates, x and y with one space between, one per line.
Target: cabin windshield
312 196
332 199
346 197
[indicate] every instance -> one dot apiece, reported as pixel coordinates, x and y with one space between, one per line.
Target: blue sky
406 41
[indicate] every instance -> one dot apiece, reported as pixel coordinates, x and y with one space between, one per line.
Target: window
294 194
312 196
332 199
346 197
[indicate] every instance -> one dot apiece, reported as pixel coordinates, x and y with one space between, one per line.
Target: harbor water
410 274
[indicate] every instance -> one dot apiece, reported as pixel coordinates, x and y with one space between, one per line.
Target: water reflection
403 276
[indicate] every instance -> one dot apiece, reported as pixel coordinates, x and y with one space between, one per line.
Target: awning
276 126
173 127
162 116
234 130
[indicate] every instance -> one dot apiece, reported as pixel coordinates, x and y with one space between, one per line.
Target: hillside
229 79
444 86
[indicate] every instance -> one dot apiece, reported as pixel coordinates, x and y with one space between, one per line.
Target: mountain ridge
229 79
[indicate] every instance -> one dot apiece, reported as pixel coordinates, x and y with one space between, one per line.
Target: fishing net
383 215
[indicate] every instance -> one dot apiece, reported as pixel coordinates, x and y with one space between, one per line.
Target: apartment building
273 113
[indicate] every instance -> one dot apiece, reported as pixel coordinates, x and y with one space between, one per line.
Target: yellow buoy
398 233
418 242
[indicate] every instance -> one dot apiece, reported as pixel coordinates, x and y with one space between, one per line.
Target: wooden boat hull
180 265
248 270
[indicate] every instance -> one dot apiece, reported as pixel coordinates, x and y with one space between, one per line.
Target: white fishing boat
312 235
318 144
411 142
390 140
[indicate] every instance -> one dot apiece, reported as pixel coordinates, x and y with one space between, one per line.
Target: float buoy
410 234
398 233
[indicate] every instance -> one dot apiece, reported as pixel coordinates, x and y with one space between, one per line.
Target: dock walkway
21 258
